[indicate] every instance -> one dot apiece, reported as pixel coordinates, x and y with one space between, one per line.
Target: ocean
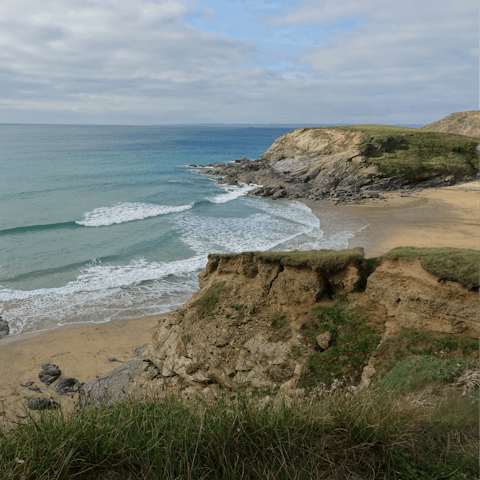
102 223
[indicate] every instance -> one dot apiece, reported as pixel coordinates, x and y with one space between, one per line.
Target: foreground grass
456 264
411 151
336 436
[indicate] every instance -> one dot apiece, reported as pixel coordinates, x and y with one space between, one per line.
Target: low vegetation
416 372
411 151
456 264
411 343
208 302
325 259
352 342
374 434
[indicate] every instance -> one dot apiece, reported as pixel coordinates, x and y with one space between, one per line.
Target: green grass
352 344
411 151
278 321
416 372
373 434
456 264
208 302
412 343
330 260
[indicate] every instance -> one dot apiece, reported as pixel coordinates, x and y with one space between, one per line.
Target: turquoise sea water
108 222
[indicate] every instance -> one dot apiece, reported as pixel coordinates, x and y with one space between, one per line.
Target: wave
103 292
36 228
233 193
52 271
127 212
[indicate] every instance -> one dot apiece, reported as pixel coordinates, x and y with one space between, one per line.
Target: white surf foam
258 231
127 212
233 192
102 291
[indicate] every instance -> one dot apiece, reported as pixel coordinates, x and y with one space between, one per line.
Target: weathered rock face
413 298
464 123
322 163
243 328
251 338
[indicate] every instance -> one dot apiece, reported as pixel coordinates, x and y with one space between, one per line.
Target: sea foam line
233 192
102 276
127 212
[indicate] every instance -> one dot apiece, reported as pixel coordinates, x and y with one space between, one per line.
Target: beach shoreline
442 217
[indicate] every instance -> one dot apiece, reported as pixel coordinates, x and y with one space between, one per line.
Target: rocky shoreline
326 164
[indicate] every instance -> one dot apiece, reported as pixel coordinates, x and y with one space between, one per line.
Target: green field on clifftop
401 150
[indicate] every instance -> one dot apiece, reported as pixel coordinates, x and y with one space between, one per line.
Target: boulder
68 386
49 373
4 328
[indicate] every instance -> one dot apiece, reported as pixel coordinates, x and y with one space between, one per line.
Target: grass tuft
209 301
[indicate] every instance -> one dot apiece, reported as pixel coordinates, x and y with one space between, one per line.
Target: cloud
139 61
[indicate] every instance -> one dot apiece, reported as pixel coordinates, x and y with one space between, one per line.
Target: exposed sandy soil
432 218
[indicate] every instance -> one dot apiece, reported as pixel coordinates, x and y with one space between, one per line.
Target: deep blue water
109 222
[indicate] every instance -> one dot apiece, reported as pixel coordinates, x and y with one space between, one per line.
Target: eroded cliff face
244 328
413 298
250 336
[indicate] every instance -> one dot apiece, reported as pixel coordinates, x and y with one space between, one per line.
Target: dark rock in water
49 373
68 386
193 165
113 359
41 404
4 328
114 386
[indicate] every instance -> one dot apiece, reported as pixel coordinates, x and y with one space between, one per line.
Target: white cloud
137 61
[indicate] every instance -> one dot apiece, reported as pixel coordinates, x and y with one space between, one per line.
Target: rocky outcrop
464 123
323 163
245 327
114 386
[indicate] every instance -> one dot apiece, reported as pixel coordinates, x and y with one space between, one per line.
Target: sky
139 62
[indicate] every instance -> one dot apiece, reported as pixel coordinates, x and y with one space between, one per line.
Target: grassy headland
411 151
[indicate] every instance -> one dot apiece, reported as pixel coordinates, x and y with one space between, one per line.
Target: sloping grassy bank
456 264
411 151
374 434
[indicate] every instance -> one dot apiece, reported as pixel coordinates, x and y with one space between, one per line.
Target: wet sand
445 217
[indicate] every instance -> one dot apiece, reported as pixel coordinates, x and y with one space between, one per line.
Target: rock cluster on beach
324 164
4 328
48 375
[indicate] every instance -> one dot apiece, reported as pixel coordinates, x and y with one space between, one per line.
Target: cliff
354 163
463 123
279 321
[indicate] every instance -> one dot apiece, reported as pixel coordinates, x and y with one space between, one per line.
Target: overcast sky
237 61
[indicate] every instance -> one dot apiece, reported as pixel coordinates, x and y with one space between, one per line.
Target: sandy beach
443 217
